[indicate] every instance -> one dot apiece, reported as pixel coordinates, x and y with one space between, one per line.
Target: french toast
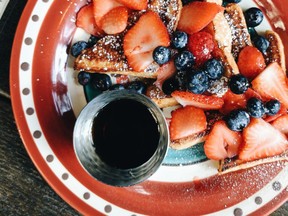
107 54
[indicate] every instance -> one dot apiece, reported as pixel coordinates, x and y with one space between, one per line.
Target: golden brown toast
107 54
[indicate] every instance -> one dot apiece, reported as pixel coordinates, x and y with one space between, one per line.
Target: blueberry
232 1
179 39
161 55
101 81
92 40
253 17
272 107
170 85
253 33
181 78
78 47
185 2
84 78
261 43
238 84
117 87
184 60
197 82
237 120
255 107
137 86
214 69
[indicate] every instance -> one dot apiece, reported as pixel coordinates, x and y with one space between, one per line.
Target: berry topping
253 16
238 84
117 87
137 86
250 62
141 40
271 84
165 72
77 48
197 15
214 69
108 24
161 55
255 107
170 85
179 39
260 140
83 78
222 142
85 20
184 60
272 107
92 40
201 45
197 100
261 43
101 81
197 82
186 121
134 4
232 1
281 124
237 120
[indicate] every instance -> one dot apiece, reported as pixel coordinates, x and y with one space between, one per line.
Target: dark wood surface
22 189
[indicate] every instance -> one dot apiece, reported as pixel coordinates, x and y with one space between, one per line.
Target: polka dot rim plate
44 106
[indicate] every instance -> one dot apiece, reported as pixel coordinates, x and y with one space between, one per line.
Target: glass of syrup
121 138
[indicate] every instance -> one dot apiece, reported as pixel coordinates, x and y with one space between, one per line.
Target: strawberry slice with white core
85 20
281 124
102 7
271 83
147 34
201 101
187 121
261 140
115 21
197 15
135 4
222 142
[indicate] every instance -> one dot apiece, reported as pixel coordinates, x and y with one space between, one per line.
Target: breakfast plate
47 100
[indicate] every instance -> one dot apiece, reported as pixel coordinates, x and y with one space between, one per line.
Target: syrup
125 134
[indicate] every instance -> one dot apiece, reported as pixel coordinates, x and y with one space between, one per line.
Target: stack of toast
231 34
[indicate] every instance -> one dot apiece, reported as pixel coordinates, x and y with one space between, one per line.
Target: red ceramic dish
41 94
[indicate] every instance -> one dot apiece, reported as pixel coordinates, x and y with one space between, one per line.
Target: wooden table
22 189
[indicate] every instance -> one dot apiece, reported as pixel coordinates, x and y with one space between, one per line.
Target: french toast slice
107 55
275 51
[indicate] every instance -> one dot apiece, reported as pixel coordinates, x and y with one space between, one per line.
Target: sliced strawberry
135 4
281 124
115 21
261 140
186 121
197 15
201 45
100 8
198 100
250 62
165 72
140 41
281 112
85 20
271 83
222 142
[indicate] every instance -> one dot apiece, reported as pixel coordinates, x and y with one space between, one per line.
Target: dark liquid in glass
125 134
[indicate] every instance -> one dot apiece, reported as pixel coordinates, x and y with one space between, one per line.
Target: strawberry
165 72
186 121
261 140
250 62
100 8
222 142
139 42
281 112
201 45
281 124
198 100
85 20
108 23
135 4
197 15
271 83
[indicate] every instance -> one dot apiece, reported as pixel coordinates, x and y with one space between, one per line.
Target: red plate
41 94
